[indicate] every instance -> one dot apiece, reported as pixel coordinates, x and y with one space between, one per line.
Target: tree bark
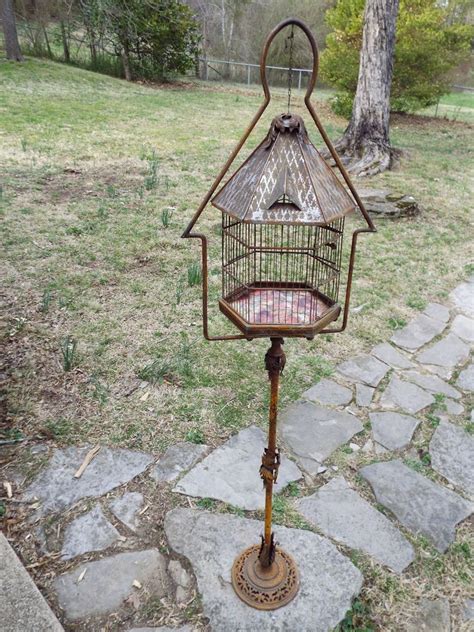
67 54
46 40
10 34
125 55
365 145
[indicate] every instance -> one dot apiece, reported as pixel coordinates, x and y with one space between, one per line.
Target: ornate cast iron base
265 588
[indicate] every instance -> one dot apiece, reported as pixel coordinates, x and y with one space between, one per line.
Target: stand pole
274 364
265 576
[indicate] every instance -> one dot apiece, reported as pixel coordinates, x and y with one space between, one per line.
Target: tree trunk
46 39
126 65
125 54
365 145
67 54
12 45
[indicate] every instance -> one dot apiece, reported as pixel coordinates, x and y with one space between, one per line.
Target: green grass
456 106
89 163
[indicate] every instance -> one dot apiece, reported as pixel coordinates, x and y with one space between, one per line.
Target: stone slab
431 383
340 513
108 582
57 488
447 352
177 459
392 356
466 379
313 432
433 616
89 532
463 327
364 395
437 312
183 628
328 392
364 368
468 610
441 371
420 504
211 542
23 608
406 396
231 472
126 509
452 407
463 298
418 332
393 430
452 455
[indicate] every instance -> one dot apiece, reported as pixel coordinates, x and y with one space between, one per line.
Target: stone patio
375 405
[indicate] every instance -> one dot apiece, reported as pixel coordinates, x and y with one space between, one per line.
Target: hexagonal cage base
265 588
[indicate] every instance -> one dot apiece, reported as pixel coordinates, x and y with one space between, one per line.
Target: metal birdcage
283 217
283 221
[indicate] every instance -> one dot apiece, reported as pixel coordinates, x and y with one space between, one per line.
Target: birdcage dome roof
285 181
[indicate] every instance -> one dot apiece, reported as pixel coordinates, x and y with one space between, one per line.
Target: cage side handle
263 59
188 231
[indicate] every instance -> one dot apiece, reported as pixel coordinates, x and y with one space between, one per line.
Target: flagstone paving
446 353
108 582
230 472
313 432
364 395
211 542
421 330
90 532
340 513
177 459
393 430
452 455
364 368
423 506
466 379
463 297
405 396
329 392
56 488
126 509
391 356
414 390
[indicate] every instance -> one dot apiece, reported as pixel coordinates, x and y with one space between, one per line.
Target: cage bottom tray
262 306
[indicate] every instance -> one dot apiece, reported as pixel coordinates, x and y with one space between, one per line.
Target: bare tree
10 34
365 145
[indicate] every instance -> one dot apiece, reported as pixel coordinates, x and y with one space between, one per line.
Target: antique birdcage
283 218
282 226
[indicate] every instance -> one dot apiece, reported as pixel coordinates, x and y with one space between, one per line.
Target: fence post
206 71
299 81
248 74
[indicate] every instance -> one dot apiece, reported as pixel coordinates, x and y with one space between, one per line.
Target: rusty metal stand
264 576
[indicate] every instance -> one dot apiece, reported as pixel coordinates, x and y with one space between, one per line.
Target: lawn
99 178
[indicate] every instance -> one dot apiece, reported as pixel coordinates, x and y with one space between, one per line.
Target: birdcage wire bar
275 274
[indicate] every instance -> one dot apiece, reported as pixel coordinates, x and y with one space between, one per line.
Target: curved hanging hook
266 47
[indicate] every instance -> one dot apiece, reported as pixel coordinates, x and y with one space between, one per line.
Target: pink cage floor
278 306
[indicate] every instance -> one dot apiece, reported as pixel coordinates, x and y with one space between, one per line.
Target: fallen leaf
81 576
8 488
136 583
